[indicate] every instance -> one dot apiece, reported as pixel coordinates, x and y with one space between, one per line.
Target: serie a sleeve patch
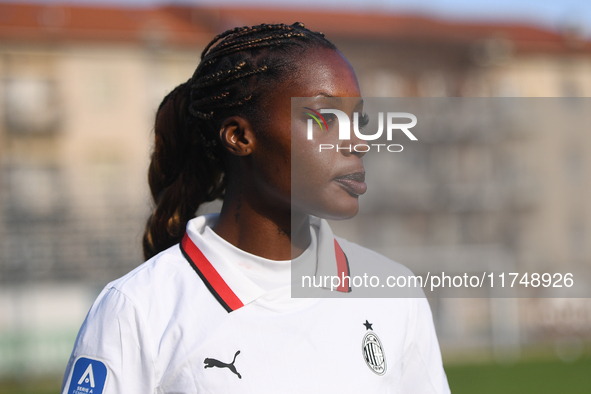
89 376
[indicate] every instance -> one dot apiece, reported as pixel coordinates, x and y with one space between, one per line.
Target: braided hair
187 166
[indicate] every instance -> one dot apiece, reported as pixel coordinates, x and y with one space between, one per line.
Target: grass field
48 385
539 377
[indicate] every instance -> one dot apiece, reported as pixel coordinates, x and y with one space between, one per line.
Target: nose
354 146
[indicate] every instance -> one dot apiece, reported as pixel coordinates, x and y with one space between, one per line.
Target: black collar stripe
220 289
212 279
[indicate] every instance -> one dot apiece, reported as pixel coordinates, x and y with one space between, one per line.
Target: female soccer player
210 311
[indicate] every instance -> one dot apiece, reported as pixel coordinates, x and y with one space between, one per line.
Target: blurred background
79 86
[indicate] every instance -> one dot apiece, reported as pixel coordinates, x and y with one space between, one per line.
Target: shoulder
124 325
164 269
148 288
162 292
379 275
151 306
369 259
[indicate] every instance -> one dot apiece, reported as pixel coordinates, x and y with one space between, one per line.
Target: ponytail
182 175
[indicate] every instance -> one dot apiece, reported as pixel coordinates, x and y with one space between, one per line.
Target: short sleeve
111 353
422 369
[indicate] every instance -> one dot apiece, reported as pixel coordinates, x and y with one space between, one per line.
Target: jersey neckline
230 286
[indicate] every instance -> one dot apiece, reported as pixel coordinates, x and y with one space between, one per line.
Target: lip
354 183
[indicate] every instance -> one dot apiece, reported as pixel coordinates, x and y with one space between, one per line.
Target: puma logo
212 362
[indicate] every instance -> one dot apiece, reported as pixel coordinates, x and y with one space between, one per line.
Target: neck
263 230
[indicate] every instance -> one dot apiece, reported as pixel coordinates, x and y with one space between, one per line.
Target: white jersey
189 320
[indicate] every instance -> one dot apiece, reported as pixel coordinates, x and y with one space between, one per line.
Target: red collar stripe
212 279
342 268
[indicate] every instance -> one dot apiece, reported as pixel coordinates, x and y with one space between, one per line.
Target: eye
363 120
329 118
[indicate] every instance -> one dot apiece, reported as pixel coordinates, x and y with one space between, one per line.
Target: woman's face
292 169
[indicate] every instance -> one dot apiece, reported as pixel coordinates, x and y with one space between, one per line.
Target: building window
34 193
31 105
385 83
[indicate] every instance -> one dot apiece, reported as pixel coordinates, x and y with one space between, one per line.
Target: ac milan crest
373 352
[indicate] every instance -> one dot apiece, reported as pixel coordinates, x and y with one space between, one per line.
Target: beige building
78 91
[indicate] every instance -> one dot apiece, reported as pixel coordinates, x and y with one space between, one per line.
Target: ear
237 136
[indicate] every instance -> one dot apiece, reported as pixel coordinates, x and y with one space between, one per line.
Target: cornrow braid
238 40
228 77
188 164
236 30
241 44
245 30
210 100
222 72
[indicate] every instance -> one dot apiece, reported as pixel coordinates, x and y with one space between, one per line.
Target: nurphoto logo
394 123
